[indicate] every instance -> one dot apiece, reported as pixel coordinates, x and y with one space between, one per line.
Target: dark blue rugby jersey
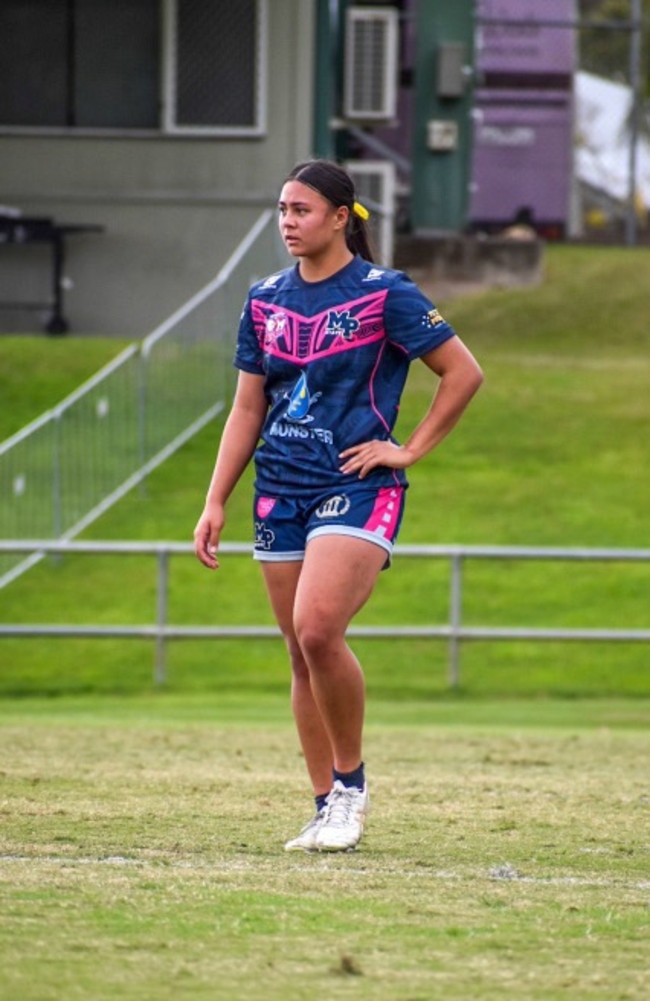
335 355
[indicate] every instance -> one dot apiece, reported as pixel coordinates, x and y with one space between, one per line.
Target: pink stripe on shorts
384 518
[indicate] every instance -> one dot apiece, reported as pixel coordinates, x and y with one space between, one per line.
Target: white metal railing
454 631
62 471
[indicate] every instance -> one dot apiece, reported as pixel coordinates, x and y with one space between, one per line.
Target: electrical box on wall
442 135
451 70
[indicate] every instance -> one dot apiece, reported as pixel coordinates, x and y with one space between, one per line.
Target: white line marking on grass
502 872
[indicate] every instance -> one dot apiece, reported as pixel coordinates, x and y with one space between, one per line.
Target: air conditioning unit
370 74
374 181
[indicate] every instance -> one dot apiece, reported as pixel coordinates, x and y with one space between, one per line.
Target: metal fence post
455 617
160 672
143 360
57 499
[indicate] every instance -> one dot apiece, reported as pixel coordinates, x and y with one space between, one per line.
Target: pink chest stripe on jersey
301 339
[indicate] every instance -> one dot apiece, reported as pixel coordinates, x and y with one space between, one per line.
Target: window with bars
214 66
98 65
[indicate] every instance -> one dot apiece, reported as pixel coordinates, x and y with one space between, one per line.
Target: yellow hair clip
361 211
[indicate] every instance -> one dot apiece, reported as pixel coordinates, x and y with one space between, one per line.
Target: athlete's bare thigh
337 578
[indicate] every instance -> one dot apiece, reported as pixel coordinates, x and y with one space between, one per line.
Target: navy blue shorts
284 525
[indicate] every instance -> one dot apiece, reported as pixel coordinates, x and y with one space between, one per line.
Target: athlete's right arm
238 442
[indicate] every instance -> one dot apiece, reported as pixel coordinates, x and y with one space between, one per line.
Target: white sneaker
343 820
306 840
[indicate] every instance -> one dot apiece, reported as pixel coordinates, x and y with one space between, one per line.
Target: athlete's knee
316 635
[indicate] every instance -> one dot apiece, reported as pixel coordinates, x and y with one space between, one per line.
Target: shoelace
340 804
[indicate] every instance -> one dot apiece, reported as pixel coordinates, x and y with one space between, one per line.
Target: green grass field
508 848
141 857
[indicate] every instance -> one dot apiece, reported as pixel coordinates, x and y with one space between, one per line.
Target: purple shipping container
527 46
523 116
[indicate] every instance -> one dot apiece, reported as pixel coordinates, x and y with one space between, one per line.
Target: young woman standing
323 353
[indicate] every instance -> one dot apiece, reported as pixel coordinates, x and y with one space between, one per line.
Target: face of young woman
309 224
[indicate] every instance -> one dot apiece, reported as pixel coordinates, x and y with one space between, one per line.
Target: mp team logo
342 324
334 507
264 537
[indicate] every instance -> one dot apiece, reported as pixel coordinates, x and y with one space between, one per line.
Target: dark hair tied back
334 183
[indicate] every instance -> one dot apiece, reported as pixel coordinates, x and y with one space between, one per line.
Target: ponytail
357 236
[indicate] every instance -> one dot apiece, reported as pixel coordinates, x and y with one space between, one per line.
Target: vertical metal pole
455 618
143 364
329 17
160 673
57 323
57 502
635 86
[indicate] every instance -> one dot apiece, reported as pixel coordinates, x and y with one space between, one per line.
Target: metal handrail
139 441
454 632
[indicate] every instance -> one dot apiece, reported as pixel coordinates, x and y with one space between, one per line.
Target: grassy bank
552 452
